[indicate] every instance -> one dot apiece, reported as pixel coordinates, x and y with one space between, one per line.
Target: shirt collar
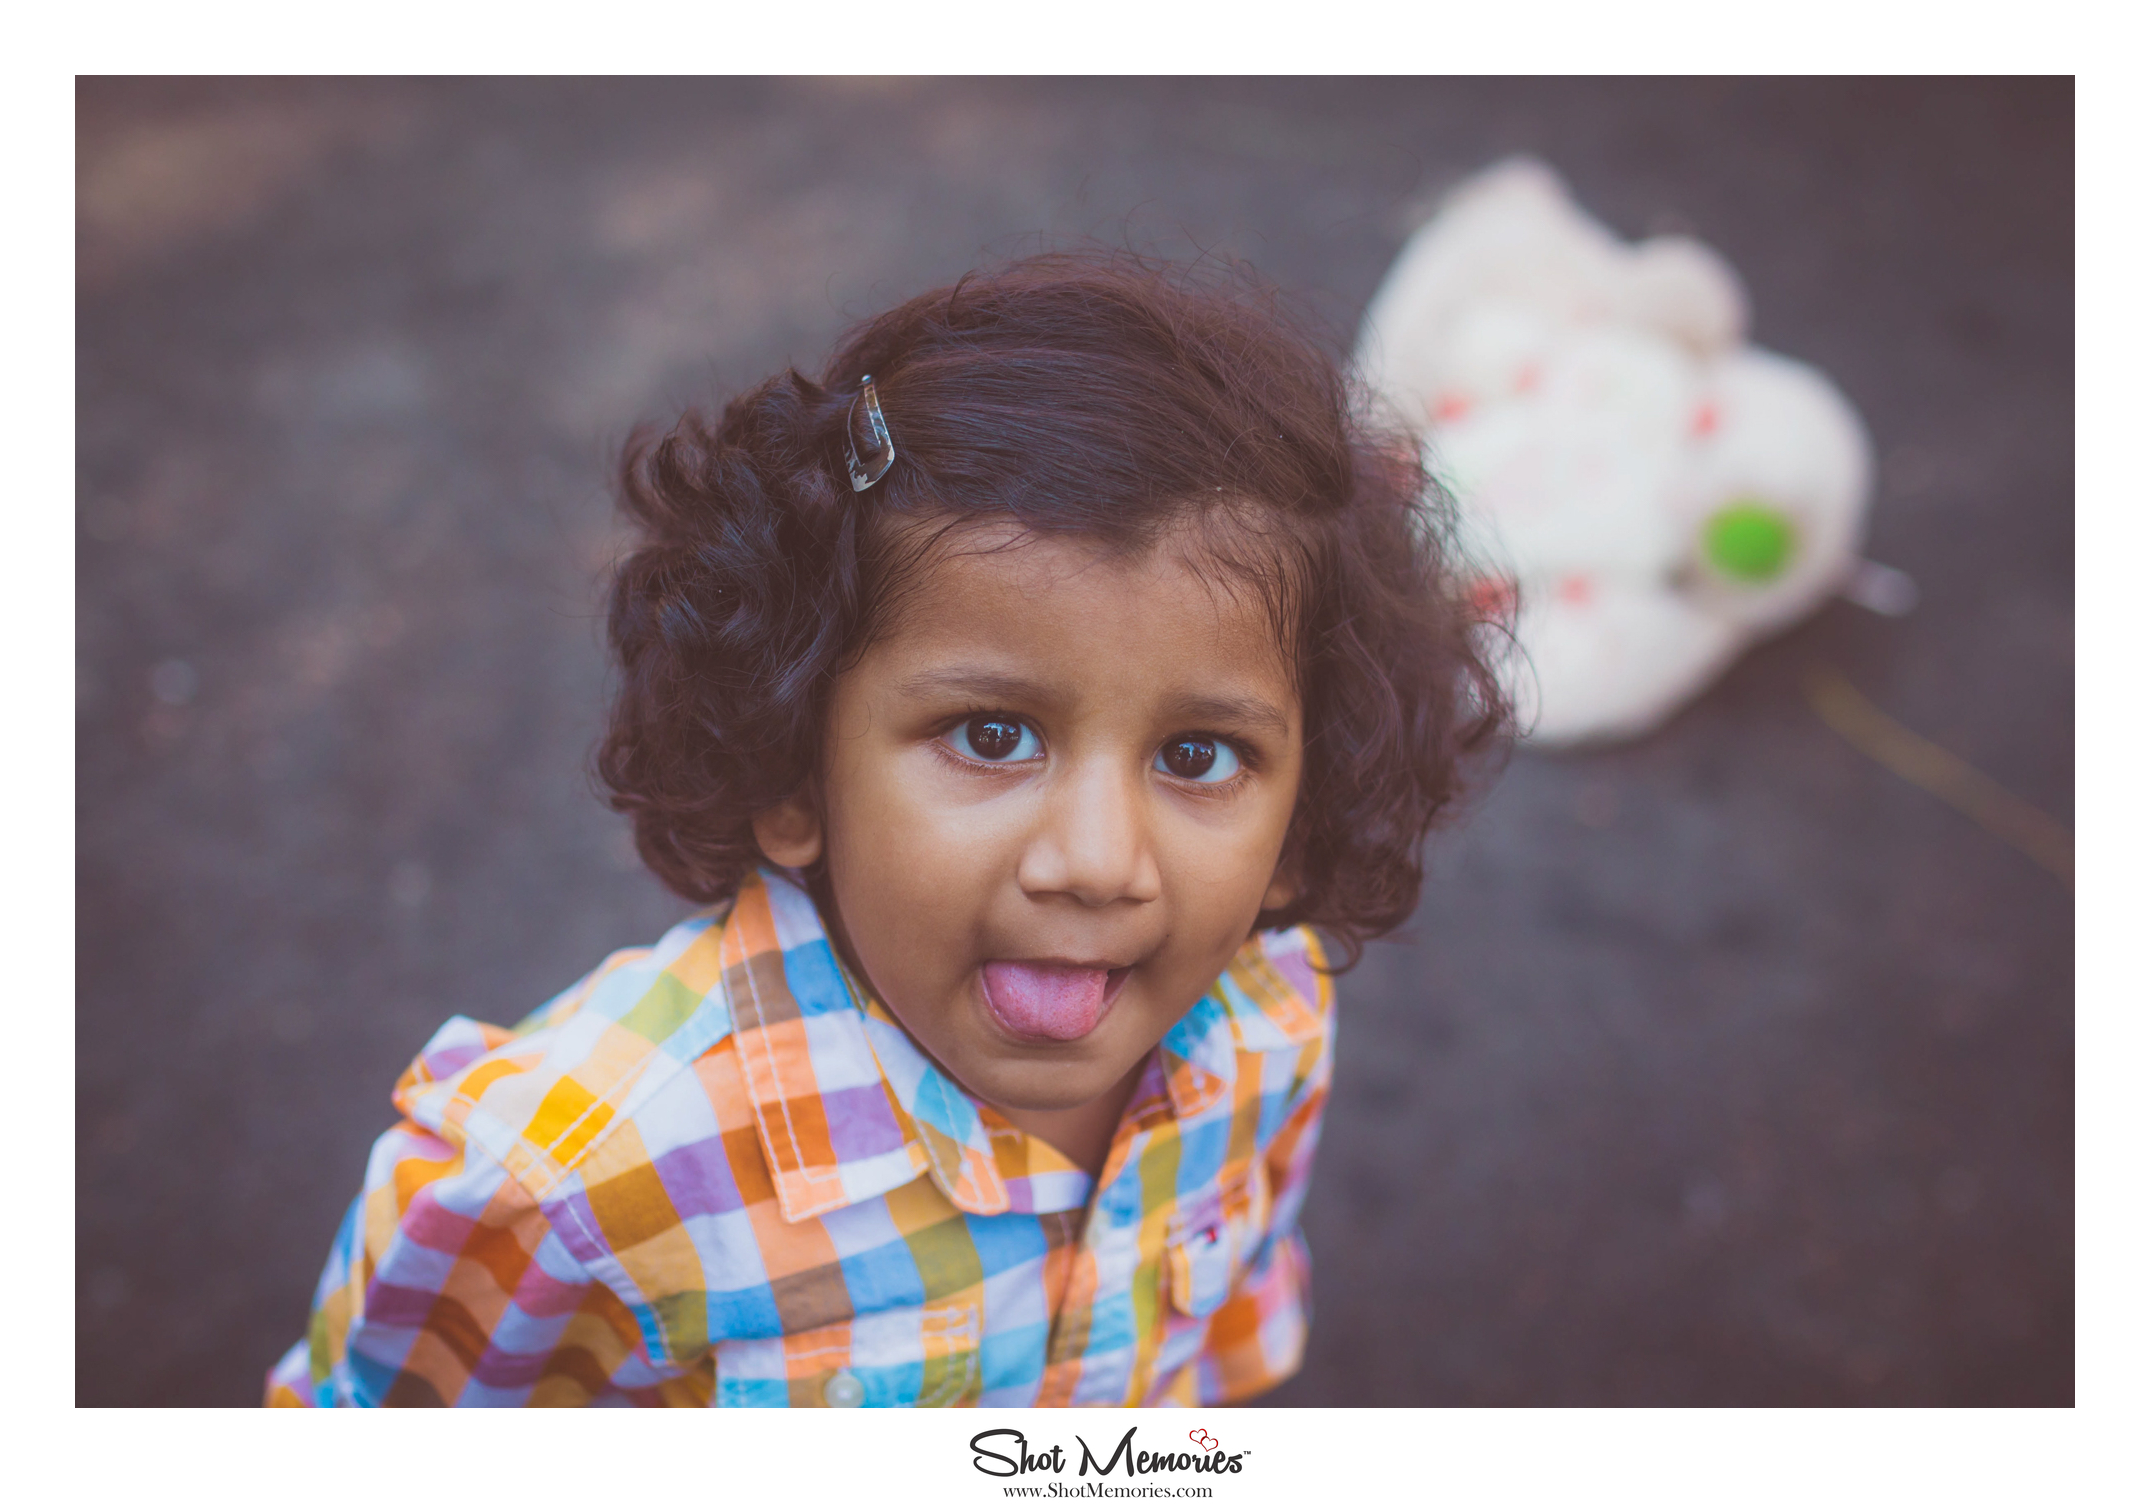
806 1030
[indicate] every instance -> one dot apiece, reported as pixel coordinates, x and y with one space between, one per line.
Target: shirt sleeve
1257 1336
448 1285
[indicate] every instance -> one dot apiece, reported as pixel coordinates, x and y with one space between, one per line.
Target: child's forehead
1005 583
1201 566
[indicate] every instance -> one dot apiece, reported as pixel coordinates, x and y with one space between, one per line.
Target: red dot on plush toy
1705 420
1491 597
1449 407
1576 591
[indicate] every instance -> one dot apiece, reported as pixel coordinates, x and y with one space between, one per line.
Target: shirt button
844 1390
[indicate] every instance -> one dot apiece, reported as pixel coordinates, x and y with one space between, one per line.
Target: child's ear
1283 887
789 833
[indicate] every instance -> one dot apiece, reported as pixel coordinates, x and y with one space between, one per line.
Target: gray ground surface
1725 1067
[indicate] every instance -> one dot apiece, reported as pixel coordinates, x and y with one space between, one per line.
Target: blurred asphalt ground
1723 1067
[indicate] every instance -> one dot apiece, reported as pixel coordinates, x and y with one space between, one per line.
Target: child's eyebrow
976 683
1249 713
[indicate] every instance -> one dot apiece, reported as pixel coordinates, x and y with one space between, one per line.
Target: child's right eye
994 740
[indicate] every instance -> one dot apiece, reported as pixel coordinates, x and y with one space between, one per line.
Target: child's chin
1035 1086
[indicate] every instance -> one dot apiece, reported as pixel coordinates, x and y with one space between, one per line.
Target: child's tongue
1046 1000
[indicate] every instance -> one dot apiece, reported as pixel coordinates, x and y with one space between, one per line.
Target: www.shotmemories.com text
1102 1490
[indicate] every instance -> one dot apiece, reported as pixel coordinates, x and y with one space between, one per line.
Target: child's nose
1093 840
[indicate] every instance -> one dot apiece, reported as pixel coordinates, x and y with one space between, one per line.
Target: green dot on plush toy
1748 541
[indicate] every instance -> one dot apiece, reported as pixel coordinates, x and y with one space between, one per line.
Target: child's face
1053 799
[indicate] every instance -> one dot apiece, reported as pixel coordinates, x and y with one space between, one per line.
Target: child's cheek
913 871
1220 870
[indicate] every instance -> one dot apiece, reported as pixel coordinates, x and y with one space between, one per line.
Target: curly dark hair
1103 396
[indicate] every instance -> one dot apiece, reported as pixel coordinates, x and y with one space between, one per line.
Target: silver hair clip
867 447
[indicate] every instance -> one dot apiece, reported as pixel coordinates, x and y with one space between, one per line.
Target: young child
1016 700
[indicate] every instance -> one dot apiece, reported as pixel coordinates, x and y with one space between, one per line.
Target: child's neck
1083 1133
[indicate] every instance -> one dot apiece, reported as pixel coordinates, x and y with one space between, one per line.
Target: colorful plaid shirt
717 1171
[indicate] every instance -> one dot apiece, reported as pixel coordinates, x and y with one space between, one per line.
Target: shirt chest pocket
1212 1238
909 1356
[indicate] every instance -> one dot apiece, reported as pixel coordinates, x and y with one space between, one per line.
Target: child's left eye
1206 761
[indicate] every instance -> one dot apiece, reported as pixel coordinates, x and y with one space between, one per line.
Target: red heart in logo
1203 1438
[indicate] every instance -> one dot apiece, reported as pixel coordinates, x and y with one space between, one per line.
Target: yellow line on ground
1932 768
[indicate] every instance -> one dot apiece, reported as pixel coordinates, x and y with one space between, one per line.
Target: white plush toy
1653 492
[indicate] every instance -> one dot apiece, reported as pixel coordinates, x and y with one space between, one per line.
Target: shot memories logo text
1009 1453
